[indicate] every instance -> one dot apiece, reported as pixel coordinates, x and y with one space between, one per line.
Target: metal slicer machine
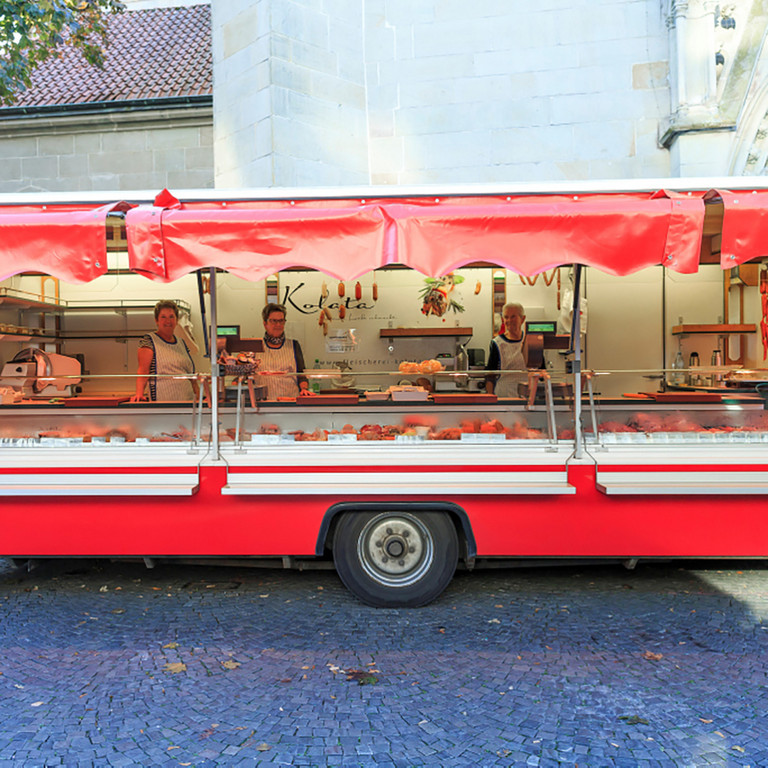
36 373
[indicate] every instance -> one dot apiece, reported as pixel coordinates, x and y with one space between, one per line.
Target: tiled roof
152 54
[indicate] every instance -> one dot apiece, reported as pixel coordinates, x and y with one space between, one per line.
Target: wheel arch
456 513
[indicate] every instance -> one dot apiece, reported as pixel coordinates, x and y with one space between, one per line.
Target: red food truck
396 485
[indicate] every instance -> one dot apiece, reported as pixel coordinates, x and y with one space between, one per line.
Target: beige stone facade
117 151
395 92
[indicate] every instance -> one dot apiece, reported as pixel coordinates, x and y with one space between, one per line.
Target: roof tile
152 54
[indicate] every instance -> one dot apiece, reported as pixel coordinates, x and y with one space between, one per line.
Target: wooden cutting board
95 402
685 397
328 400
463 398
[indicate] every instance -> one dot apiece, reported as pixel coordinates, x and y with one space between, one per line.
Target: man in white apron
281 355
509 351
162 355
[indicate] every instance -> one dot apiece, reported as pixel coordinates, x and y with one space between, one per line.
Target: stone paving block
578 675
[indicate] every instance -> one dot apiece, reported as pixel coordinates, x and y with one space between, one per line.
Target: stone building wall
118 151
289 84
422 91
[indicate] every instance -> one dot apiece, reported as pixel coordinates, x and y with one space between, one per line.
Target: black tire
392 559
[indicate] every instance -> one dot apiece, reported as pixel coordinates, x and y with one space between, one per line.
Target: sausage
327 313
324 291
341 289
478 286
321 321
375 291
358 291
342 311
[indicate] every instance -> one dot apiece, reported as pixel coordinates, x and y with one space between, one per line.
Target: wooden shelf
25 301
413 333
720 329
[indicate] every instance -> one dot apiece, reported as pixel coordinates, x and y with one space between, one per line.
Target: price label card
343 438
267 439
481 437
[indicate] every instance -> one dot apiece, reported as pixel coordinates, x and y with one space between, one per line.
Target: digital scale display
541 327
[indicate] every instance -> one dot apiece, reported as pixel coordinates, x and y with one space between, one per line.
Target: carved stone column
693 77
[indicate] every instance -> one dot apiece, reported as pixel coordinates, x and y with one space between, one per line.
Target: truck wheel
395 559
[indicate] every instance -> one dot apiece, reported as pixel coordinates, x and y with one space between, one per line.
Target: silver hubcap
396 550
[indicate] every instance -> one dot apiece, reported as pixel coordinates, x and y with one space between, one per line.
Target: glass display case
396 415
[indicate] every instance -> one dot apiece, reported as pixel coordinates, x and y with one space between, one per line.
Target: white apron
511 357
282 359
170 359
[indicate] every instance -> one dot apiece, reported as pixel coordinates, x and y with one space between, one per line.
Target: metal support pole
576 369
550 404
592 410
199 414
239 410
214 368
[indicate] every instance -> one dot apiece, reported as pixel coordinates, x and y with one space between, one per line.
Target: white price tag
482 437
343 437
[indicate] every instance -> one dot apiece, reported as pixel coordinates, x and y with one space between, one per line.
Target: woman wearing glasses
281 355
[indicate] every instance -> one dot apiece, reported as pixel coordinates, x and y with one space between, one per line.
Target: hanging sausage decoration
324 290
341 289
327 312
358 291
375 291
478 286
342 311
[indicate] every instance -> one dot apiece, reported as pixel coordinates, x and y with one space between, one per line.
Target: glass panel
59 416
735 413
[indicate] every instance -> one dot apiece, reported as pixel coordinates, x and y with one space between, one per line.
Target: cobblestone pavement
109 664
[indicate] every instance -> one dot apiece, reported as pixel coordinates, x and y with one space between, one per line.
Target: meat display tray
328 400
94 402
686 397
463 398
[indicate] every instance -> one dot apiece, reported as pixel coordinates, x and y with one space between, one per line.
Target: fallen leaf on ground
651 656
703 720
175 667
171 645
633 719
230 664
363 677
263 747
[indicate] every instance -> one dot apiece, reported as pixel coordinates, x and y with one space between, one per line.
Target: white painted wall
625 330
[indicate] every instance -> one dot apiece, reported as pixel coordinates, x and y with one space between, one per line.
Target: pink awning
615 233
66 241
618 233
253 240
745 226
